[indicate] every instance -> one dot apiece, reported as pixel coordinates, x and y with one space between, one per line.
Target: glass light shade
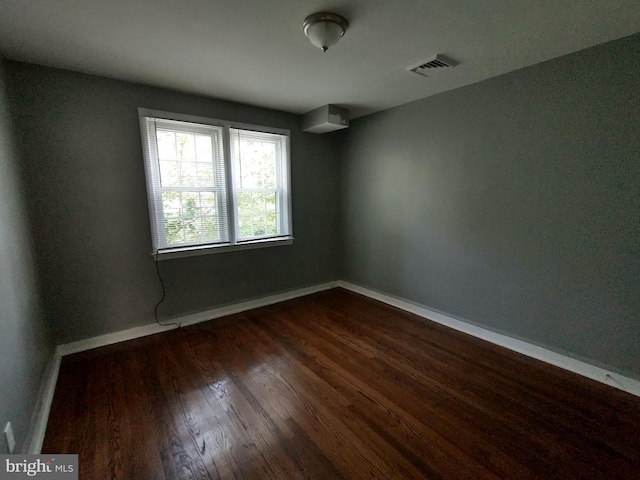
324 29
323 34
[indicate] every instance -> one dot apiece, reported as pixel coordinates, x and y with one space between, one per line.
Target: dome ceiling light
324 29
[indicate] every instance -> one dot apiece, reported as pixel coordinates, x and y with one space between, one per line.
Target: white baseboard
185 320
602 375
43 406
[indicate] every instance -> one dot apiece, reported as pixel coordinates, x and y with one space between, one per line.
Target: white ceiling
254 51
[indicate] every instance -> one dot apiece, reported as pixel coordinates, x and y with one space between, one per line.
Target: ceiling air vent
435 64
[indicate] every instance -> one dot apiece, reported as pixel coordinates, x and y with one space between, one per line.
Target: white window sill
209 249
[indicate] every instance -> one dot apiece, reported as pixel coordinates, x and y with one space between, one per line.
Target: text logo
51 467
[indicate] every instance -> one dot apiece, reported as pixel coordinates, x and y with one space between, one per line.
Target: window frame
152 170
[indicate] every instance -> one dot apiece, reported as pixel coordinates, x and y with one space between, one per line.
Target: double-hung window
214 185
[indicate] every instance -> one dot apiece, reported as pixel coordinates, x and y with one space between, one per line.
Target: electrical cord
164 294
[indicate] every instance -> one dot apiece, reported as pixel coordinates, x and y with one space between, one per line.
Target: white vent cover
435 64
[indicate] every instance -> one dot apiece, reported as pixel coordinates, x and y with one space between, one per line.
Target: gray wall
85 177
512 203
25 345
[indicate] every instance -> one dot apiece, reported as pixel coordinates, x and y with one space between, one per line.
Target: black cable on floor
164 294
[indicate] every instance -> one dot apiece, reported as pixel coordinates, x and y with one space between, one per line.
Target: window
214 185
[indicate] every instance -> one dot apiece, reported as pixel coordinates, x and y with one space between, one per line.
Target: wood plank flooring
334 385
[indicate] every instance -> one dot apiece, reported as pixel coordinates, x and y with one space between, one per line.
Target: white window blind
214 184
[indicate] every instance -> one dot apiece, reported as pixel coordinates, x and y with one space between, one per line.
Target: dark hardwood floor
329 386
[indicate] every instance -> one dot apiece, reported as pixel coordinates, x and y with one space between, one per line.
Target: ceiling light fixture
324 29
